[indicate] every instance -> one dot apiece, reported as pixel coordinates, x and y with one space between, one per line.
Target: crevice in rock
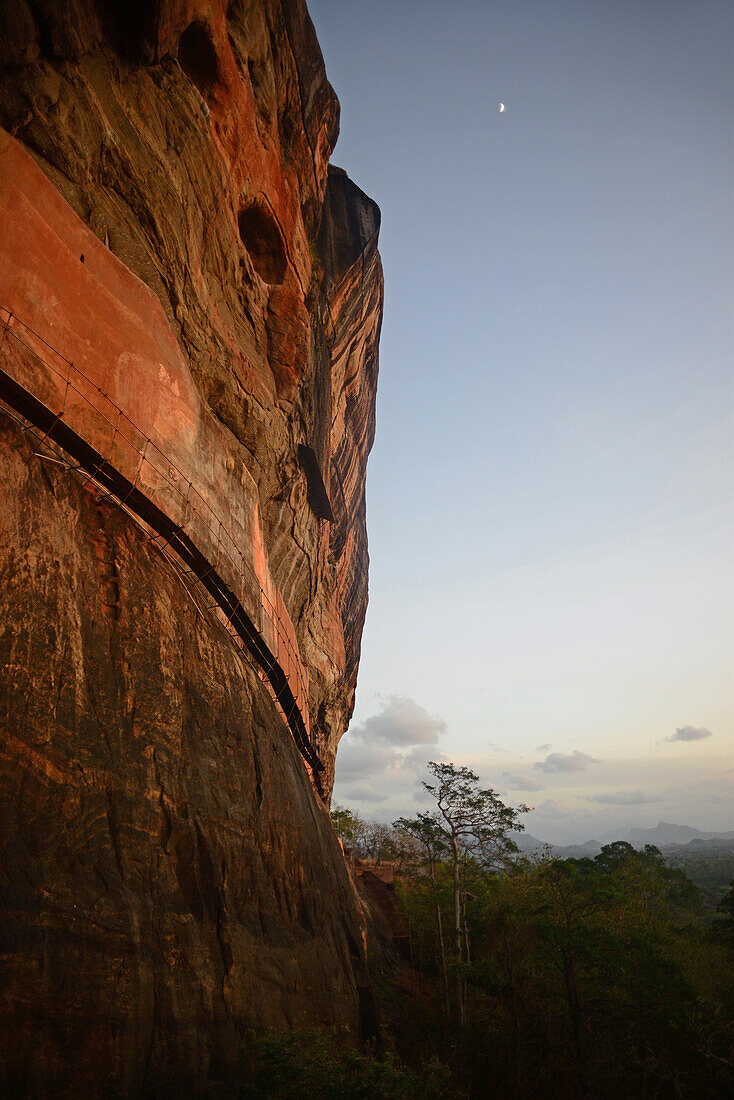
198 58
263 240
130 27
318 497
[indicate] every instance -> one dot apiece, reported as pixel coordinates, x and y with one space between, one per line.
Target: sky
550 498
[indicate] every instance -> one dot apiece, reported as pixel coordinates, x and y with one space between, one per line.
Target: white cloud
689 733
553 808
684 787
566 762
518 782
422 796
382 760
358 761
624 798
543 748
365 792
718 790
401 722
382 779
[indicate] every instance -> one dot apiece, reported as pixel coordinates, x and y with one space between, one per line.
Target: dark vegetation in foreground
543 978
711 870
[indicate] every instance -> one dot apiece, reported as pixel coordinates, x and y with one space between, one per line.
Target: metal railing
64 406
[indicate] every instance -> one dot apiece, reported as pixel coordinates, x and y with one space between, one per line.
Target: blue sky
550 496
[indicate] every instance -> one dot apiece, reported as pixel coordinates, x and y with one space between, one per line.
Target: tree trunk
576 1010
439 922
510 970
457 929
439 925
464 927
465 937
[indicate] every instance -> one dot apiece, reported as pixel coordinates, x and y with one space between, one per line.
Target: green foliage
473 819
345 823
425 837
726 905
324 1065
712 871
723 928
590 977
366 839
548 978
471 827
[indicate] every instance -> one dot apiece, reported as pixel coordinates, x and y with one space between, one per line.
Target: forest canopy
548 977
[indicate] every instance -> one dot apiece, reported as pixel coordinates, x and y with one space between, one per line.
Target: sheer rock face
168 875
194 138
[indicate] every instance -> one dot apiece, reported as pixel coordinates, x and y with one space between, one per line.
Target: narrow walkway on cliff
40 386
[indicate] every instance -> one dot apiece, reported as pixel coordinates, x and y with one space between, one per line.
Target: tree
345 824
476 824
377 841
572 892
725 915
427 833
323 1064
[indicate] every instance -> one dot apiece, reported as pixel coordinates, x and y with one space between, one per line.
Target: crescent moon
502 108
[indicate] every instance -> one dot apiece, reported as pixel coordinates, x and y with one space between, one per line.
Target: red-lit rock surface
168 876
86 338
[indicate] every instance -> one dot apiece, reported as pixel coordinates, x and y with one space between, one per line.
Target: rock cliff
169 875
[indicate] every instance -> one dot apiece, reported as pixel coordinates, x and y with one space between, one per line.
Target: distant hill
665 835
528 843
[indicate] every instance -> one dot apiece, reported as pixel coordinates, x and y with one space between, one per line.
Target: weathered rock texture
168 876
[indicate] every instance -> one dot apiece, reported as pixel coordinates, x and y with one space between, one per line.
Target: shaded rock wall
168 876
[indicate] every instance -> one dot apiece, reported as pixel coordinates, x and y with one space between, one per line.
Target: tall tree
427 832
476 823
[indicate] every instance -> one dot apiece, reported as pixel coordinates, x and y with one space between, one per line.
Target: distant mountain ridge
665 834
